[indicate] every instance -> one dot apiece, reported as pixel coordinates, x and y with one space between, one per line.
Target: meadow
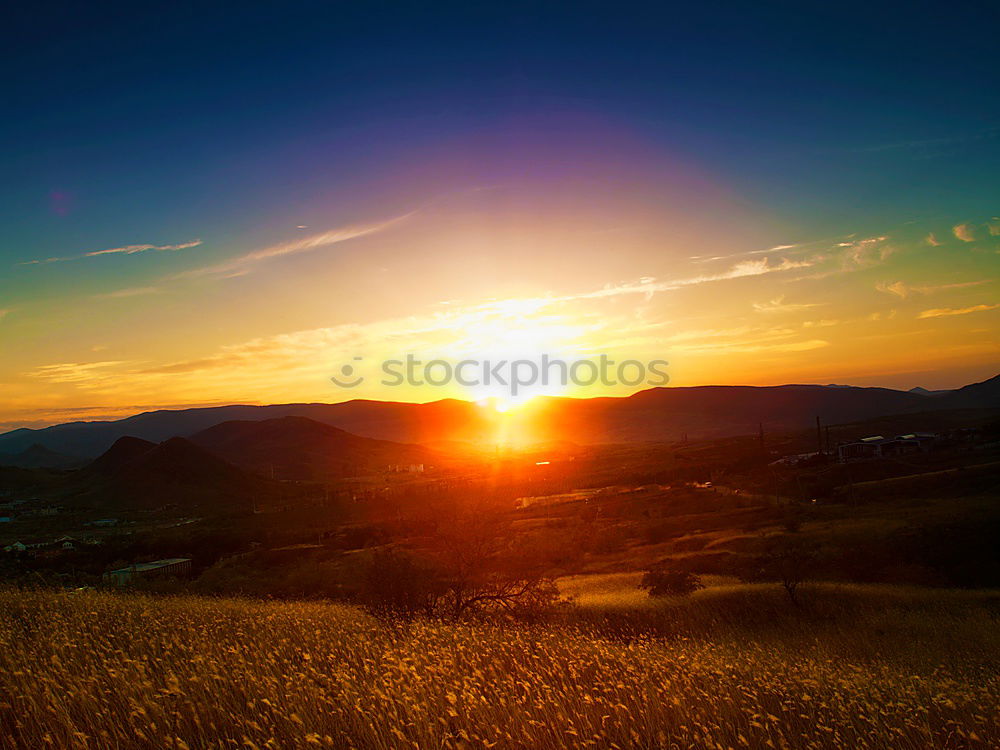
731 666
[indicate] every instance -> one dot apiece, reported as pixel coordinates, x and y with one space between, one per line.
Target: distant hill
37 456
658 414
920 391
301 448
124 451
136 474
975 396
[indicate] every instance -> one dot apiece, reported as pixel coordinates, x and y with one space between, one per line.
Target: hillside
136 474
37 456
301 448
858 667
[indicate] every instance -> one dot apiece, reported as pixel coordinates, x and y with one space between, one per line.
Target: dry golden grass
96 670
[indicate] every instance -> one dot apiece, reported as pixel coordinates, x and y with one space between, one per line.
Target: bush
659 581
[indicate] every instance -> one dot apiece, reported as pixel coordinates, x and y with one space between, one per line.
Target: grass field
858 667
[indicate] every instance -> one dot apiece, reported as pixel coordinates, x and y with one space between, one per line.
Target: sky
227 203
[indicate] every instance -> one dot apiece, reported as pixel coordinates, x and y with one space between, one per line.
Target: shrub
660 581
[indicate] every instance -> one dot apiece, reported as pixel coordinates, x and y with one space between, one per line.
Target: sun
504 404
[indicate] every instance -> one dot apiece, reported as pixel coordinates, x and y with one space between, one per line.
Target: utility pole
819 436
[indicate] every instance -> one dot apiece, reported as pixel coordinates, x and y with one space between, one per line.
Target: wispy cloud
903 290
79 373
136 291
932 240
930 144
242 264
123 250
4 312
866 252
649 285
778 305
964 232
943 312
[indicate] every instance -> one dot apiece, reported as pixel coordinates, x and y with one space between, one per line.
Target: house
15 547
406 468
174 566
878 446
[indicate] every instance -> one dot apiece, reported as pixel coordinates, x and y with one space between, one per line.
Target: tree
470 565
787 560
661 581
399 585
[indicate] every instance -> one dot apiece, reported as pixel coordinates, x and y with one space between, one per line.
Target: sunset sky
206 205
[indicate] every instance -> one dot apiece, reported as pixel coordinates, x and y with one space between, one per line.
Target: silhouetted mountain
656 414
301 448
921 391
975 396
125 450
37 456
136 474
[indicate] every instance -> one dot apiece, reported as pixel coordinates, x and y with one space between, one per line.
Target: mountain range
658 414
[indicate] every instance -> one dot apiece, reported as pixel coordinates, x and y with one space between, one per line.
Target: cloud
932 240
943 312
964 232
242 264
867 252
929 145
4 312
821 323
123 250
78 373
131 292
778 305
903 290
650 286
899 288
994 227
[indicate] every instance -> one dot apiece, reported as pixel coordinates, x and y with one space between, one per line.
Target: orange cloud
942 312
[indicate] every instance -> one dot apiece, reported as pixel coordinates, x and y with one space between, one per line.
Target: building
174 566
406 468
796 459
877 446
15 547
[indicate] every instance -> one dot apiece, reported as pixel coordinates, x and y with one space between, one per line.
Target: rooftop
139 567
